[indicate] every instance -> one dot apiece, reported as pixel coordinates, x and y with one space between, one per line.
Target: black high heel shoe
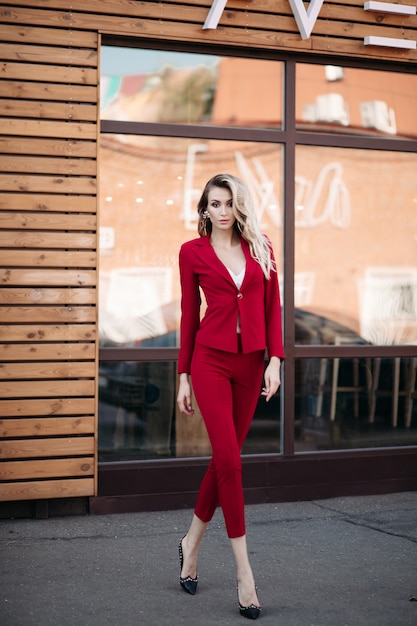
251 612
189 584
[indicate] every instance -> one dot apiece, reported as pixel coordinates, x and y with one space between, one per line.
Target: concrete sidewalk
339 562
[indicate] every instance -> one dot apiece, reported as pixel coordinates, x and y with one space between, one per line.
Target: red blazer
257 302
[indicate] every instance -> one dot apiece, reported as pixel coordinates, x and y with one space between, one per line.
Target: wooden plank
42 352
37 490
47 221
226 35
45 202
56 446
114 14
47 258
57 406
46 426
39 239
47 389
42 128
48 110
48 184
47 369
39 295
56 74
54 37
61 55
48 277
118 8
44 315
56 468
146 19
48 91
31 146
53 332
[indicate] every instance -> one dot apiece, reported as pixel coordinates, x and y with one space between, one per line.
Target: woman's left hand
272 378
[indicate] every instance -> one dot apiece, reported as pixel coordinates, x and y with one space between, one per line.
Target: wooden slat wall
48 204
48 258
340 28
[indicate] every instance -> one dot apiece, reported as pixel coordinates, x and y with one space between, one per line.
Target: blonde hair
246 224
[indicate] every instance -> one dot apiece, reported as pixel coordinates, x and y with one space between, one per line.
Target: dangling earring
204 217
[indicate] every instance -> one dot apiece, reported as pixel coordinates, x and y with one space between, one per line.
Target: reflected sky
132 61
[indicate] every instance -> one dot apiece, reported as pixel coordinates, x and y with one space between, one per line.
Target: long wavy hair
246 224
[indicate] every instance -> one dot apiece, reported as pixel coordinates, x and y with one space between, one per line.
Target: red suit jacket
257 303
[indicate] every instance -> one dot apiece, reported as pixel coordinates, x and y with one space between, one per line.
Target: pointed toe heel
188 583
251 612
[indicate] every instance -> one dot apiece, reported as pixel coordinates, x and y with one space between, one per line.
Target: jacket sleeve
273 316
190 310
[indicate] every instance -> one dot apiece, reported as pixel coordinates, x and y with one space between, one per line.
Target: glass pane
176 87
350 100
136 407
149 188
355 403
264 435
355 246
139 419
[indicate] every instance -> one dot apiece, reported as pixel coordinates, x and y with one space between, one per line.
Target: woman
233 264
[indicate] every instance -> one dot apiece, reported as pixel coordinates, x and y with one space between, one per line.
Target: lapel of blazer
250 262
207 253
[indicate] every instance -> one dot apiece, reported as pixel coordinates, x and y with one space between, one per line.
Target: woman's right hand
184 399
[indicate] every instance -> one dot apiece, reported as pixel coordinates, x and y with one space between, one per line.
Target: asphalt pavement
339 562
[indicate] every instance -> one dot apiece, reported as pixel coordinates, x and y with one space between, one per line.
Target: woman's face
219 208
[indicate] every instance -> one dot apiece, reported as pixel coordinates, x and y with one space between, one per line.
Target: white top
237 278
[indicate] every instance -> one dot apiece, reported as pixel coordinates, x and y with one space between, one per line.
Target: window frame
289 137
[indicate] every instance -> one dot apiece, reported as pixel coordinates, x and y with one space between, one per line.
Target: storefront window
149 190
349 251
351 100
354 403
355 248
174 87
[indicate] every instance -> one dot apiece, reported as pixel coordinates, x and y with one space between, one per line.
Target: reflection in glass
136 407
148 197
176 87
355 403
346 99
355 243
139 419
265 432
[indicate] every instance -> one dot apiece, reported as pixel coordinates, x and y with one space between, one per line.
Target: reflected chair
388 316
357 387
408 391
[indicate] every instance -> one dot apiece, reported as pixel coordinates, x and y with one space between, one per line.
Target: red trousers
227 388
